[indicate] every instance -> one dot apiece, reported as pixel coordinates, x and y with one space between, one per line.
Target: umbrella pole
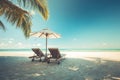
46 46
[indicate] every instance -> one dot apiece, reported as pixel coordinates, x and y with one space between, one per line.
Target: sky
83 24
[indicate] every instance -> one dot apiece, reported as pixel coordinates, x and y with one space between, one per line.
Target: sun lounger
38 54
55 54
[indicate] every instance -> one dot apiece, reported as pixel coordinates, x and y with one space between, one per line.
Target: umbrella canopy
45 33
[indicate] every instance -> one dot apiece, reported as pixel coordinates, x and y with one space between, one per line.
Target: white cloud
2 44
33 45
19 43
32 12
9 42
38 44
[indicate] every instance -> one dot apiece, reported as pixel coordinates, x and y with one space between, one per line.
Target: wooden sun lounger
38 54
54 54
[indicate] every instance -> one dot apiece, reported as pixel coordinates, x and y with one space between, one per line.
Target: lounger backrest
38 52
55 52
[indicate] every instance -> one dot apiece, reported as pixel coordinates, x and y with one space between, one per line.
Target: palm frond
20 17
2 25
16 15
40 5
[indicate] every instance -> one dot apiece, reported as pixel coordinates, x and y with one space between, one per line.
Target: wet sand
76 66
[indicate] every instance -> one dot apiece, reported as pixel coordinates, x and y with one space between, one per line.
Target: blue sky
81 23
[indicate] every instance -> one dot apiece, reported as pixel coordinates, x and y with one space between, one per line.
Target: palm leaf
16 15
2 25
39 5
20 17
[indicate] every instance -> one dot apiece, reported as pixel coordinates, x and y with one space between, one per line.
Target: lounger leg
32 59
58 62
40 60
48 61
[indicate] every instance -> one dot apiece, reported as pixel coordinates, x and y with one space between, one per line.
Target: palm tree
19 16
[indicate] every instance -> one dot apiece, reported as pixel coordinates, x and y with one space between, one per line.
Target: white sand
114 56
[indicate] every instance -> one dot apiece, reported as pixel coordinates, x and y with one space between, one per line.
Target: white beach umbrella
45 33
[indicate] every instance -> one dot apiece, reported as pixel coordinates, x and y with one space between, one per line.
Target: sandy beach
87 32
113 56
76 66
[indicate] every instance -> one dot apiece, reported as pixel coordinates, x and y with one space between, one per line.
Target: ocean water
64 50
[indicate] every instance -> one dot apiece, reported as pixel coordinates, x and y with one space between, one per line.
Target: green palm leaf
16 15
20 17
39 5
2 25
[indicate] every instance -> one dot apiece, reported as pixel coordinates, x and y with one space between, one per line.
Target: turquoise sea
64 50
